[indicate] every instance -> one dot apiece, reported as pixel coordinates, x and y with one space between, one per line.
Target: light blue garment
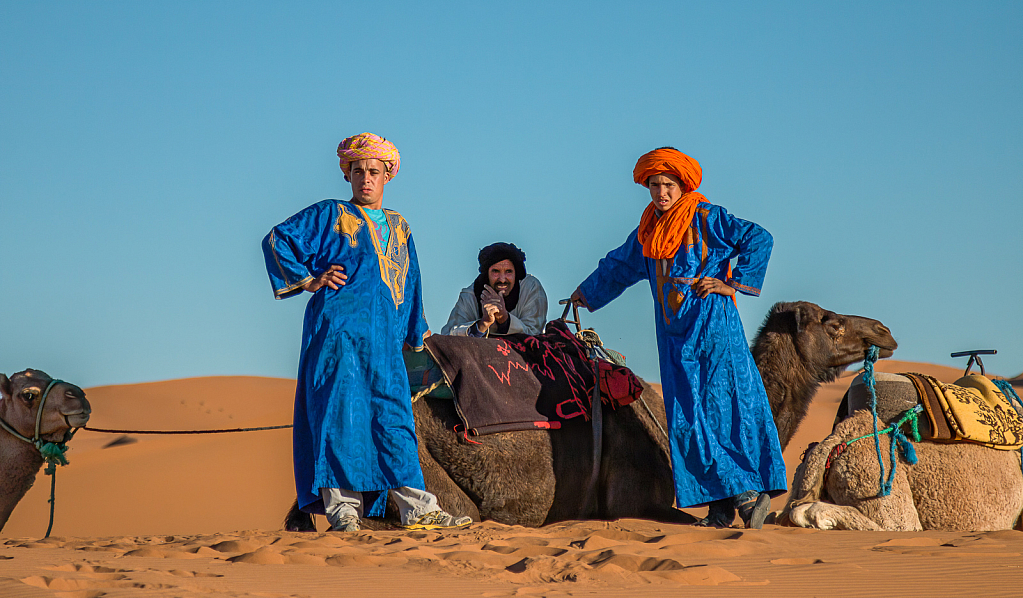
379 219
722 435
353 418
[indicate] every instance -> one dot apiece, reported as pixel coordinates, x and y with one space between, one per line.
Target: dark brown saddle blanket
523 382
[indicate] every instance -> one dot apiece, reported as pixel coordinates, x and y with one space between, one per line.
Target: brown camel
801 346
65 408
536 477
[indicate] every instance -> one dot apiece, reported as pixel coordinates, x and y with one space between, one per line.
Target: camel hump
895 394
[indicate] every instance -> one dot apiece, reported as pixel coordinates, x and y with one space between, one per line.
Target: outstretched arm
619 270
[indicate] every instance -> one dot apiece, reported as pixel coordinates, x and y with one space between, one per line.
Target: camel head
65 408
828 341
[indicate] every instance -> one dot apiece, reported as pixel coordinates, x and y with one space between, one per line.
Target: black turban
498 252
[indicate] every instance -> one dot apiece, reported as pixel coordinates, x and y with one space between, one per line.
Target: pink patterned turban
367 146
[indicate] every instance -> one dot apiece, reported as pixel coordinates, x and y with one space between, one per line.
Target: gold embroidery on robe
348 225
394 259
673 289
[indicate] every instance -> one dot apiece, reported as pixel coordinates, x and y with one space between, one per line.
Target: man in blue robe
724 445
354 435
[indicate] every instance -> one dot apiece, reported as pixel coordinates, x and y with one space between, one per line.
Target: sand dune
144 515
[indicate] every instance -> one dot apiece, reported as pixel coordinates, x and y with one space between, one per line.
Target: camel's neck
19 464
790 383
784 373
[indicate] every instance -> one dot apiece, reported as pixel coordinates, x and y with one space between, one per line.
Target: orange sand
199 515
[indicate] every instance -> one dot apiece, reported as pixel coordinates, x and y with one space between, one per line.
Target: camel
65 407
801 346
533 478
952 487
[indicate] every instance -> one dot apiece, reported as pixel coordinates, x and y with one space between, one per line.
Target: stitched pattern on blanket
523 382
971 410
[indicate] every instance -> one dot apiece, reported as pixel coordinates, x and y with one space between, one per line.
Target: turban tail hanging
367 146
662 236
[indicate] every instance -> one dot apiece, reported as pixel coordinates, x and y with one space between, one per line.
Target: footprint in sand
524 551
69 584
181 573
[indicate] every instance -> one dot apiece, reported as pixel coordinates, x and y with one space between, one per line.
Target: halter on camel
910 416
52 452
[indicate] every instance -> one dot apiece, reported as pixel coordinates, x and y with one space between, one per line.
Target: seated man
502 300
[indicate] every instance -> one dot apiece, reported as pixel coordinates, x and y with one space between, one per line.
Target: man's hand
489 311
705 286
491 297
578 299
333 277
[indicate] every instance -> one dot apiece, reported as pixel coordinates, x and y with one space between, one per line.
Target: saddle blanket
972 409
522 382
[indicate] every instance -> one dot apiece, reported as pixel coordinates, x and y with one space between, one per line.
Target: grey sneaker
754 512
439 520
348 523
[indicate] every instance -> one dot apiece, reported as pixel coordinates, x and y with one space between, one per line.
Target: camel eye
29 395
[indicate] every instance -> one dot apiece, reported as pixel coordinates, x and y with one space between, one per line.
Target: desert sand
200 515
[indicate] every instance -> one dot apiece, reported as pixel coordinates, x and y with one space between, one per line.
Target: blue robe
722 435
353 418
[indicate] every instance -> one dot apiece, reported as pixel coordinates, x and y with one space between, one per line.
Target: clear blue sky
146 148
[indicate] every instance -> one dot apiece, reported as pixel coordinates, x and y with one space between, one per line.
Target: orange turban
668 160
366 146
663 234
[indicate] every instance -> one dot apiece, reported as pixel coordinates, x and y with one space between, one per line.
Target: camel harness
52 452
910 416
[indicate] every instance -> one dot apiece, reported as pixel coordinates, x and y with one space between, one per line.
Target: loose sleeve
290 248
417 327
619 270
531 308
463 315
752 246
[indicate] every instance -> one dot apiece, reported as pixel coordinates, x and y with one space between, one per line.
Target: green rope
898 437
911 416
1014 400
53 452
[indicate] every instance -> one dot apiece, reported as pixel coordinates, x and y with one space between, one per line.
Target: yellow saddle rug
971 410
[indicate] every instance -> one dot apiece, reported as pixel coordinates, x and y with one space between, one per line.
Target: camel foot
823 515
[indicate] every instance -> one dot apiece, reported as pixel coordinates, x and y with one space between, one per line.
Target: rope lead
899 438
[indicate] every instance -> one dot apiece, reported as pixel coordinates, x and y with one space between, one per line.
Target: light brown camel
961 487
65 408
535 477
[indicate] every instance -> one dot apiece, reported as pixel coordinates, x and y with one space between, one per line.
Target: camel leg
852 484
855 479
823 515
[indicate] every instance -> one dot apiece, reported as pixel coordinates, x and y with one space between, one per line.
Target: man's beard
510 300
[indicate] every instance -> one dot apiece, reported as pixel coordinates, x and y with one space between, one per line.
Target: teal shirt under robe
353 418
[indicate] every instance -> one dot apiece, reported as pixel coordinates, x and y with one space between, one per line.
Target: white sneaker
439 520
348 523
